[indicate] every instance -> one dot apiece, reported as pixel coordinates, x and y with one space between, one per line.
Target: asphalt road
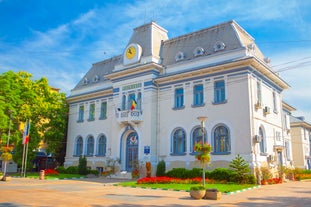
97 192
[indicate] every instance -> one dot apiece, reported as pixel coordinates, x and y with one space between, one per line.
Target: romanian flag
133 106
26 132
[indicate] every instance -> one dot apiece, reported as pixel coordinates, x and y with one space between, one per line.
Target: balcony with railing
126 116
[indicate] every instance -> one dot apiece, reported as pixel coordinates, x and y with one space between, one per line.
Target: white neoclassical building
143 104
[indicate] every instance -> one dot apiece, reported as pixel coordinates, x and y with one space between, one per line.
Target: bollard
41 175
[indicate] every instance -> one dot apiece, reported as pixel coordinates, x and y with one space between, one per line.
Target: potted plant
265 175
197 192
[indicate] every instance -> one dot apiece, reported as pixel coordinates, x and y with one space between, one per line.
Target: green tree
82 167
241 169
21 99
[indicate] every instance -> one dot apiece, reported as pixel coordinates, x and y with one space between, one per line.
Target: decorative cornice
134 70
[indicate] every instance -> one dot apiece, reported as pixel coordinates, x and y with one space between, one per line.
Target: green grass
224 188
59 176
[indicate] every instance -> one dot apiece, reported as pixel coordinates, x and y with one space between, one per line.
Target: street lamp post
202 120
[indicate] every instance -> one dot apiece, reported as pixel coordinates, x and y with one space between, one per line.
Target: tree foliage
21 99
241 169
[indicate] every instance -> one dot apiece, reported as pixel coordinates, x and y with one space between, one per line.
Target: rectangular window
288 155
198 95
103 110
259 101
275 109
278 136
179 97
131 98
92 112
81 113
219 92
287 122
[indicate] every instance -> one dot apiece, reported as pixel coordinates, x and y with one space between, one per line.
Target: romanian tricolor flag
26 132
133 106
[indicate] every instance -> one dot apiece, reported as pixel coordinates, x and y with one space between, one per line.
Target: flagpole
23 160
25 169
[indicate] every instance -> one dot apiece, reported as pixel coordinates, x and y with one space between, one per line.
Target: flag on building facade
133 106
26 132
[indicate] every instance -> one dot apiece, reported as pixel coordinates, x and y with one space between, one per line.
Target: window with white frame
219 92
138 107
81 113
278 136
131 99
179 98
274 96
92 112
262 144
179 142
259 96
101 146
90 146
103 110
198 98
79 146
288 151
197 137
123 106
222 143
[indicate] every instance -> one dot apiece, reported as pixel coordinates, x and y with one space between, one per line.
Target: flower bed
50 172
168 180
274 181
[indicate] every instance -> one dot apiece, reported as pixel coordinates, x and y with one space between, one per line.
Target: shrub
61 169
178 173
196 172
221 174
161 169
94 172
265 173
72 170
251 179
82 168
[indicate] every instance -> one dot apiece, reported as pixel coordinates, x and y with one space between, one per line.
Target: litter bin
41 175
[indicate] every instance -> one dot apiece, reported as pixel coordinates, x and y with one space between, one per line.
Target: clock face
130 52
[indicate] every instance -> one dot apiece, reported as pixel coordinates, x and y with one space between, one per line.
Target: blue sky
61 39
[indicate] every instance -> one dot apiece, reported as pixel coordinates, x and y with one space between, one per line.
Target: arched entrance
131 151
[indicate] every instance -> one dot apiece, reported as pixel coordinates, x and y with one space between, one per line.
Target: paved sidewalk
97 192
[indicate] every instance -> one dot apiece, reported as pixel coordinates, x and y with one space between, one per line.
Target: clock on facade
132 54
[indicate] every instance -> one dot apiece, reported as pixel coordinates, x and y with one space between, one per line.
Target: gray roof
154 42
98 72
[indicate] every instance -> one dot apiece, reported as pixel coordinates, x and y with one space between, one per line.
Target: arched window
90 146
179 142
79 146
101 146
221 140
197 136
262 143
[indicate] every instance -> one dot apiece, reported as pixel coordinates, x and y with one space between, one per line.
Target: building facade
301 142
143 104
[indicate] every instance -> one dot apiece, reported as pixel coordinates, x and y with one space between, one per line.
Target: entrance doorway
131 154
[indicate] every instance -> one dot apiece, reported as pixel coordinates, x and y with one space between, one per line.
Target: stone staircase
122 175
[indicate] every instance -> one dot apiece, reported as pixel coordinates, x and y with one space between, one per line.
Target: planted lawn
58 176
224 188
